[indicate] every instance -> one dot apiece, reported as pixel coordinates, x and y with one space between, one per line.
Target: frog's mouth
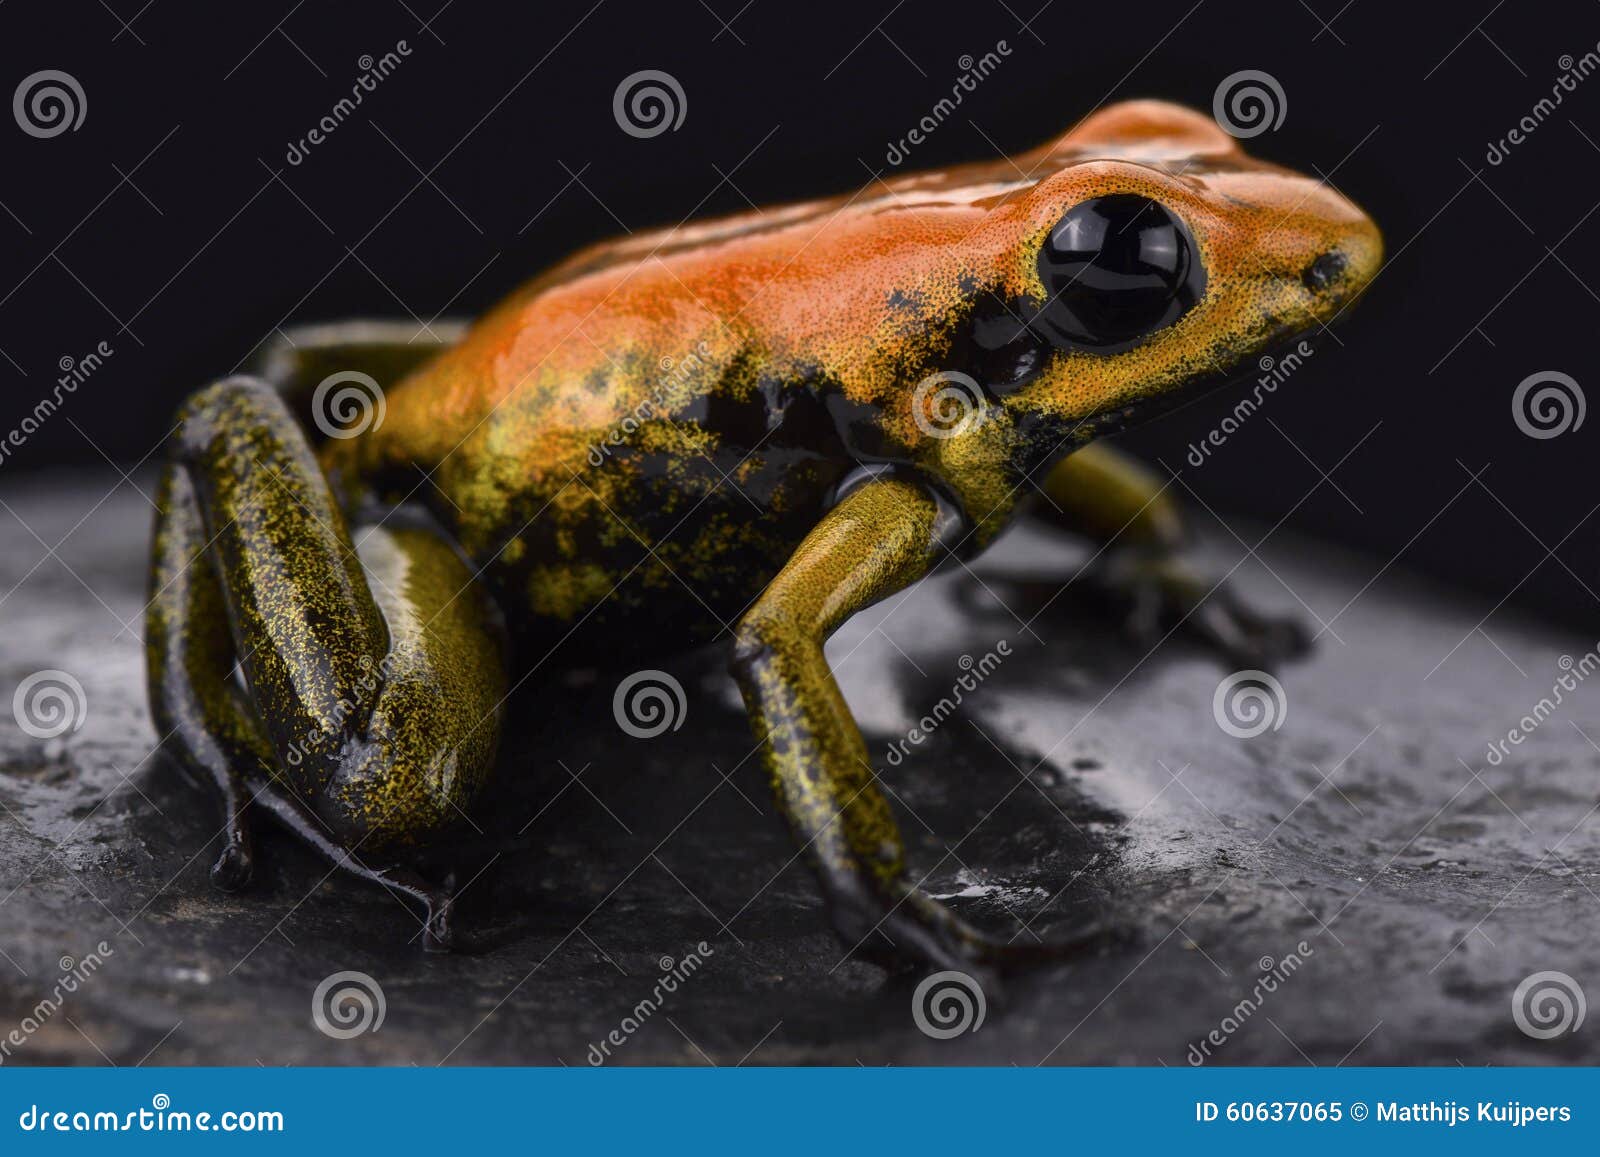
1269 366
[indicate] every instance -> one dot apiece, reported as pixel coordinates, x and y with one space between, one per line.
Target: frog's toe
1246 638
234 867
438 933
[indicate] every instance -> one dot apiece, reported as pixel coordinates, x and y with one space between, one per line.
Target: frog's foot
877 540
1159 592
374 673
914 926
436 901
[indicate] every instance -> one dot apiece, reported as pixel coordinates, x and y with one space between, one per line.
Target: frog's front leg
878 540
1117 501
372 675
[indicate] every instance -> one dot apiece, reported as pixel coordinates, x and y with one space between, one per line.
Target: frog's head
1152 259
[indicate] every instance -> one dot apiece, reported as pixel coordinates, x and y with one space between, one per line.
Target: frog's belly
643 552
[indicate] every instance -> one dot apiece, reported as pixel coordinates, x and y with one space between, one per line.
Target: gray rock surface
1081 779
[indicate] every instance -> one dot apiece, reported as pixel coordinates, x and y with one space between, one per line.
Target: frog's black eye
1116 269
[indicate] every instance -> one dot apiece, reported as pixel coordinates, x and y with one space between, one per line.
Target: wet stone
1081 780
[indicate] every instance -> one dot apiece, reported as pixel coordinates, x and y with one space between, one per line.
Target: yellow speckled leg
878 540
373 673
1116 500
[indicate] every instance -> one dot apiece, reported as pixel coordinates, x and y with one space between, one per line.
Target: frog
738 432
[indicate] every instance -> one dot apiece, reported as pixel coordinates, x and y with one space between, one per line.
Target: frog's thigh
299 358
879 540
1102 493
373 707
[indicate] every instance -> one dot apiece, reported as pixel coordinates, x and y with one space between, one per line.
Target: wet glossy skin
667 439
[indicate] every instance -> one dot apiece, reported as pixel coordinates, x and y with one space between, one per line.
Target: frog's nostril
1324 271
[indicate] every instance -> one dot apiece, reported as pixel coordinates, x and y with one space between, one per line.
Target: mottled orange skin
663 441
857 297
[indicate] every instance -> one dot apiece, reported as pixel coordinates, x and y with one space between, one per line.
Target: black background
171 226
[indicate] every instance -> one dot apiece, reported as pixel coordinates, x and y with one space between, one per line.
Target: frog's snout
1325 270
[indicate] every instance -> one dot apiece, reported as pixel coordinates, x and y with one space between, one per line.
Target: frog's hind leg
372 676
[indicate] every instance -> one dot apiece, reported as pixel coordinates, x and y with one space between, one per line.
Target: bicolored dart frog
741 430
